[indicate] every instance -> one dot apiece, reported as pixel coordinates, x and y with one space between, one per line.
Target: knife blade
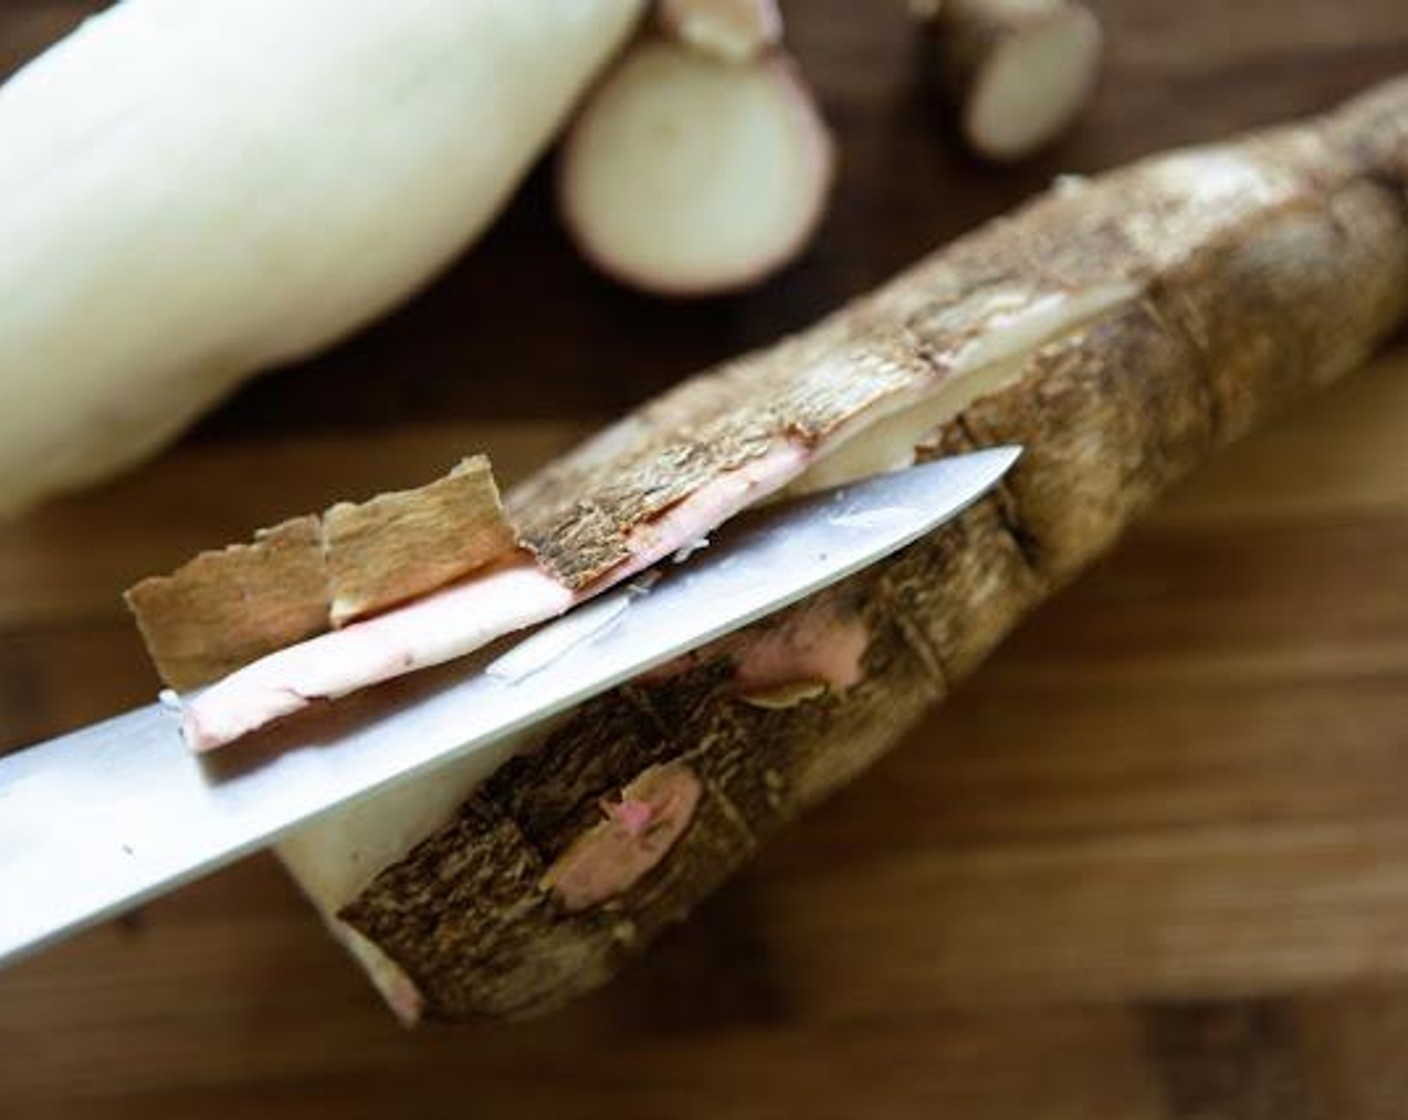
101 819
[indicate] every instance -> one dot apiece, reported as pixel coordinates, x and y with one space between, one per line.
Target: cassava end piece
688 175
1016 71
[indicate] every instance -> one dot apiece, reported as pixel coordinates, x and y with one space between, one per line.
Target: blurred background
1151 862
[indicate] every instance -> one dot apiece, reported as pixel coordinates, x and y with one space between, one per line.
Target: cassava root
192 192
1120 330
688 173
1015 71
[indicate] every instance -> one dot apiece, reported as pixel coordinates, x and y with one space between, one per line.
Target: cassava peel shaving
1120 330
224 610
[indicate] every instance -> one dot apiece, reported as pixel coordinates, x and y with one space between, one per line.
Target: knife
106 817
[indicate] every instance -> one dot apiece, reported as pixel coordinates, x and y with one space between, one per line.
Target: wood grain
1151 862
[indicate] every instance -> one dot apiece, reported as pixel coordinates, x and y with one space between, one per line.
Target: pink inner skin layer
633 816
405 999
636 834
445 625
816 644
461 618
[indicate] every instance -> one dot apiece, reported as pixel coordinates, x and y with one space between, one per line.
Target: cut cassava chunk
224 610
1119 329
1016 71
734 30
688 175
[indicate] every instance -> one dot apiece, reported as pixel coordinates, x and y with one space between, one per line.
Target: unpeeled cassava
193 191
1120 329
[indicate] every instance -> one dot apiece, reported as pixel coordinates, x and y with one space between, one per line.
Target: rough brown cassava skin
1262 269
400 545
224 609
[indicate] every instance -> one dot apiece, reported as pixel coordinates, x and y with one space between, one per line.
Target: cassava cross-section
1120 329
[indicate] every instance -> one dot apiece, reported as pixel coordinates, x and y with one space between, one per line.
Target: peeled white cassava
194 190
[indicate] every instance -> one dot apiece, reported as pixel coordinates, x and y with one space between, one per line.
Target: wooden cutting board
1151 862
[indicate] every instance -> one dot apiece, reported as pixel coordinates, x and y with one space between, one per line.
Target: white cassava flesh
191 192
734 30
687 175
1017 71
